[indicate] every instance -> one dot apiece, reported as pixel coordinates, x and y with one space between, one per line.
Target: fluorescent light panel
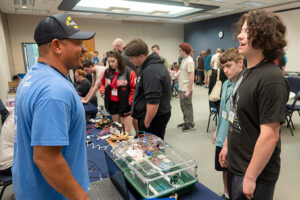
133 6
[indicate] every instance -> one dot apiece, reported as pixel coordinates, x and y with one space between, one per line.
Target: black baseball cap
60 26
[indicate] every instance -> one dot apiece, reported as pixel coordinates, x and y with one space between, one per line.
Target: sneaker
224 197
180 125
187 128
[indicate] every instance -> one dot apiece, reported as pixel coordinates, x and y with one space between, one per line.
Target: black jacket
126 87
153 86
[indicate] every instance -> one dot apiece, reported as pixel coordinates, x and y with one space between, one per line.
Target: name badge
114 92
231 116
224 114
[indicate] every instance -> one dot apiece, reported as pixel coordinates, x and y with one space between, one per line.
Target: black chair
294 84
4 112
289 110
5 180
213 112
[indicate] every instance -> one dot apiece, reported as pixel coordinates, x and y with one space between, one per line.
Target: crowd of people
137 85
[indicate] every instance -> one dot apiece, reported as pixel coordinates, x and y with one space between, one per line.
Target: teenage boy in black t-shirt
257 109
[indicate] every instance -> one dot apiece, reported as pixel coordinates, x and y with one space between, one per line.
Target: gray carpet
197 143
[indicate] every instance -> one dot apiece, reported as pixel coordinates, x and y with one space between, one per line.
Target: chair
5 180
4 112
294 84
289 110
213 112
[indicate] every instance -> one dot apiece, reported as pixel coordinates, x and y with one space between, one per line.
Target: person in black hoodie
151 102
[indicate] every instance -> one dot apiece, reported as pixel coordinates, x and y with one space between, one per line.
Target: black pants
6 172
157 126
264 189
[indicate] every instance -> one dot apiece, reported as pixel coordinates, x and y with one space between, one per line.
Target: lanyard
227 97
114 81
54 69
241 79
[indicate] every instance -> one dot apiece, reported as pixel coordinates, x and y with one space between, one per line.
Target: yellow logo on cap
70 22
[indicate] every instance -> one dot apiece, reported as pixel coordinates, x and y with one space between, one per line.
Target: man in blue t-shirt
232 63
49 150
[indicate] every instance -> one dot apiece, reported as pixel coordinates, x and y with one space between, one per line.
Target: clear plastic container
155 168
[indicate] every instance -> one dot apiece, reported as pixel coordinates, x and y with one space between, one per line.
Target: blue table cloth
98 169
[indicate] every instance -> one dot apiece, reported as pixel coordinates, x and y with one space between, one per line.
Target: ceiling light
159 13
136 6
117 9
224 11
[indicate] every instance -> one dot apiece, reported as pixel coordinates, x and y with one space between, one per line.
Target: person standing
257 109
207 67
214 63
155 48
151 104
117 89
186 82
49 150
232 63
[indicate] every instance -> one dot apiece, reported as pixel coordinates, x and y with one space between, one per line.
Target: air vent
24 2
251 4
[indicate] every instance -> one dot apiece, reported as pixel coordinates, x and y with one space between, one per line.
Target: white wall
4 66
291 19
167 36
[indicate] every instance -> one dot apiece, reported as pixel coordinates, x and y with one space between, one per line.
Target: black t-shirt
260 99
83 87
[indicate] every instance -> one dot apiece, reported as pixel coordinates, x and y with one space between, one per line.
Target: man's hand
84 101
213 139
147 124
249 186
187 94
223 156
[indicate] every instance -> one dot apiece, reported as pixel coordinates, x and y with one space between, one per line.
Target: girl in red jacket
117 89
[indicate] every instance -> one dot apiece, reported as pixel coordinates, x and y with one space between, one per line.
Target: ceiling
211 9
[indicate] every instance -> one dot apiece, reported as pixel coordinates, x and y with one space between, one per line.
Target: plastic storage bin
155 168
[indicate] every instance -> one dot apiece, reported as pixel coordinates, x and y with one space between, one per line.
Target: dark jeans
264 189
157 126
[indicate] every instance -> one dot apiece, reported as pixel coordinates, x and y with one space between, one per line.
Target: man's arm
263 150
151 111
57 173
223 154
91 93
191 83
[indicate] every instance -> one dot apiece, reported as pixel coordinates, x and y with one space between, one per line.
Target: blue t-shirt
48 112
95 60
207 60
222 129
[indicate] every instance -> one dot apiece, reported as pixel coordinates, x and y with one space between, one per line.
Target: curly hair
186 47
267 30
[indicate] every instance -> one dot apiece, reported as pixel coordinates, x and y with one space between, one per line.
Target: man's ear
56 46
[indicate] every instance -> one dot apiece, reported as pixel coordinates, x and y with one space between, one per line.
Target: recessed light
159 13
118 9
